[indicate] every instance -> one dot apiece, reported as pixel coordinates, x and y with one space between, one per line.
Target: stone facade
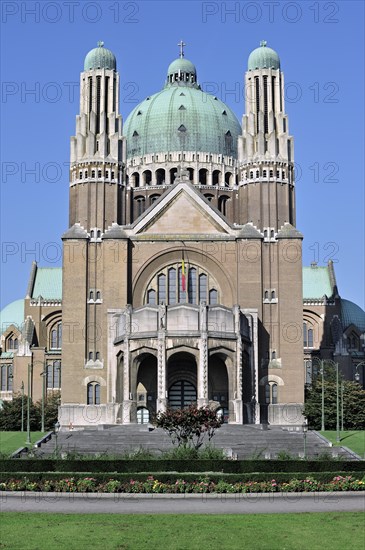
182 269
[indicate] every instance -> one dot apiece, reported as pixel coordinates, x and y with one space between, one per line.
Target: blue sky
321 46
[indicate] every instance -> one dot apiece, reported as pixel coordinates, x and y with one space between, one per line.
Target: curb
165 496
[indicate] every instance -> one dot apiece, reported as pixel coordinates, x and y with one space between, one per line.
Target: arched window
56 337
305 335
274 394
216 177
273 354
53 375
310 337
273 296
154 198
160 176
213 297
191 174
227 178
91 356
182 286
209 197
98 295
173 173
271 393
140 205
6 378
308 340
172 286
198 286
93 393
91 295
12 343
135 179
203 287
264 173
192 285
266 295
161 281
222 205
257 173
203 176
251 174
97 356
147 177
151 297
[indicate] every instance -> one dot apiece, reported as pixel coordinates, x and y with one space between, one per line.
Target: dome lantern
263 58
181 72
100 58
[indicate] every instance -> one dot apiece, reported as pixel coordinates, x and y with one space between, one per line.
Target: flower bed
180 486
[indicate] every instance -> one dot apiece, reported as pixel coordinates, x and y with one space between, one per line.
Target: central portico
174 355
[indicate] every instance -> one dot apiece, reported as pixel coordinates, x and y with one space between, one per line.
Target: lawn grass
354 440
180 532
11 441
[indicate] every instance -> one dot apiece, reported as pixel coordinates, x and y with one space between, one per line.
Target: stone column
161 404
202 377
127 402
237 402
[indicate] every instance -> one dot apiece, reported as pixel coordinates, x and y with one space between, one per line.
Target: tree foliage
11 413
353 402
189 426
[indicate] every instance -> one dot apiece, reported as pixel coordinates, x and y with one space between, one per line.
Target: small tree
189 426
11 415
353 402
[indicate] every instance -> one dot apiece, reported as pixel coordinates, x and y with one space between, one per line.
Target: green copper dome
263 58
352 314
100 58
181 117
12 314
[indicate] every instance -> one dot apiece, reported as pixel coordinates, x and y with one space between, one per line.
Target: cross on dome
181 44
100 44
263 43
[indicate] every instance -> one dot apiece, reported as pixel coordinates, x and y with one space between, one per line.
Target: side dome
352 314
12 314
263 58
182 117
100 58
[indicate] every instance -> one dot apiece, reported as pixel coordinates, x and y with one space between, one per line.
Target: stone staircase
240 442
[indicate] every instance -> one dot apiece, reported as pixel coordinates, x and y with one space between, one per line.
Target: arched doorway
182 380
218 385
146 388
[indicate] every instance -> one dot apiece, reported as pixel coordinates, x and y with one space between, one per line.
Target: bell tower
266 150
97 148
267 200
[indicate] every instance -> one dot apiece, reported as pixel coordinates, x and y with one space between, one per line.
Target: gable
183 211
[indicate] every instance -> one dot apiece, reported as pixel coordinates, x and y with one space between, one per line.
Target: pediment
182 211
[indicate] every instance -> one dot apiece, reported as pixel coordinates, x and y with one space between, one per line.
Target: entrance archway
146 387
182 380
218 385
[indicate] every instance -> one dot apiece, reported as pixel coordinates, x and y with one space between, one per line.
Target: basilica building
182 277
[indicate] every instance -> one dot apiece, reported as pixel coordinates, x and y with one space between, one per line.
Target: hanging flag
183 277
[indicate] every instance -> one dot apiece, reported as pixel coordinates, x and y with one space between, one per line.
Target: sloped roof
48 283
317 282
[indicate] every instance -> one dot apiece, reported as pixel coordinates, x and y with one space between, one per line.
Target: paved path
72 503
